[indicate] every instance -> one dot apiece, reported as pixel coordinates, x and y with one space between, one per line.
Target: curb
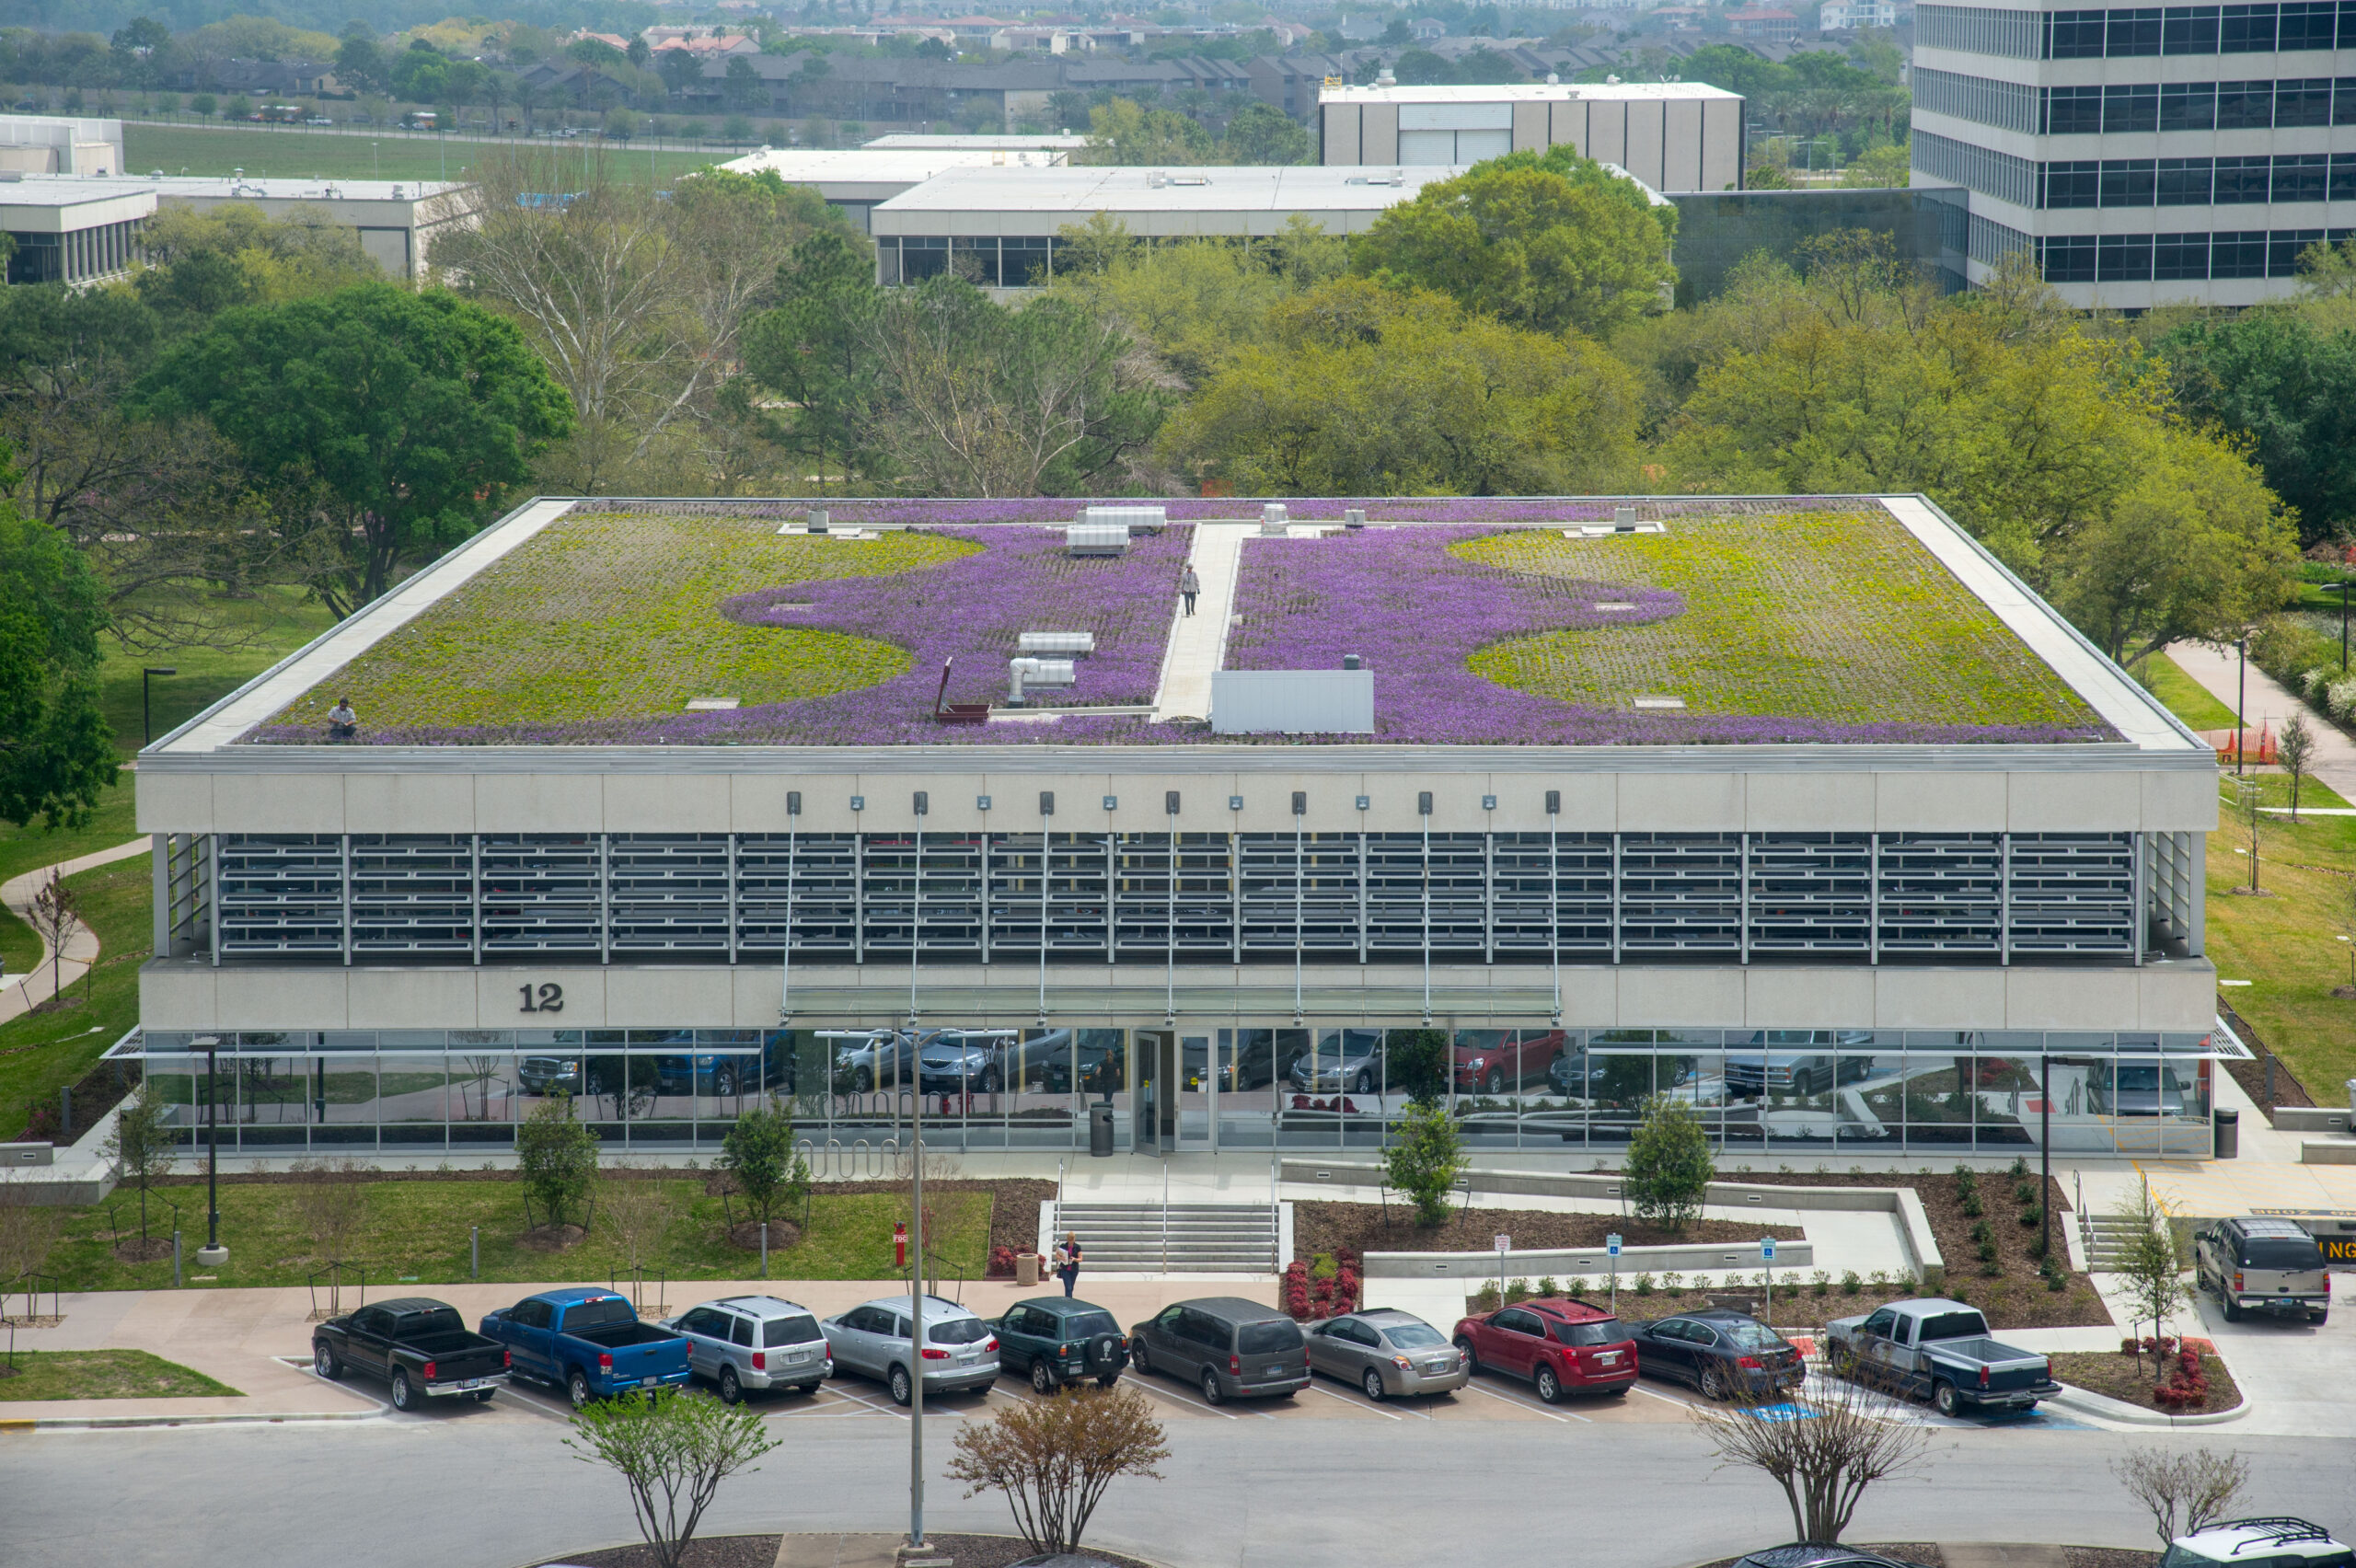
2087 1402
94 1422
2067 1546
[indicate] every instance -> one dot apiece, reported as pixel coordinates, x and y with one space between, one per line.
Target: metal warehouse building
1412 767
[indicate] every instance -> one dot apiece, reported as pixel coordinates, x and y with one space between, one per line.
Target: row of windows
1983 169
2177 258
2122 106
1195 897
2199 182
1989 242
2127 33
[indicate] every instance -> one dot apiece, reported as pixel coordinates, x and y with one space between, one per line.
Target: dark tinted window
2243 179
2077 35
2123 258
370 1320
1953 1325
1267 1338
2070 260
1608 1331
2127 182
2304 102
2246 30
1749 1335
443 1321
2189 29
2184 182
530 1314
2133 32
2073 183
1087 1325
957 1330
2135 106
2240 254
2280 1253
2176 257
2308 23
2301 177
597 1313
740 1332
2189 106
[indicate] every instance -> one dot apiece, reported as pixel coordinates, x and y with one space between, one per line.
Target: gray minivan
2254 1265
1229 1347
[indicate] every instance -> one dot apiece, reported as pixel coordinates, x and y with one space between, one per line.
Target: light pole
2241 701
147 726
916 1306
212 1254
2344 587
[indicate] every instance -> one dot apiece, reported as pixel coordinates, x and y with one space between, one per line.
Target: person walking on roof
1189 585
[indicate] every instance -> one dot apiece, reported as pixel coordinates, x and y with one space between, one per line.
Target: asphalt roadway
442 1490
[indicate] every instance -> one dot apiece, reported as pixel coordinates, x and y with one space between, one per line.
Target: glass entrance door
1148 1106
1192 1091
1175 1104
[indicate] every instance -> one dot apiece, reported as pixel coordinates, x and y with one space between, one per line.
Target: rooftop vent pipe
1037 673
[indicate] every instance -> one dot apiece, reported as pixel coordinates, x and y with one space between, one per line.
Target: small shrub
1983 1235
2033 1217
2024 1192
1324 1267
1849 1283
1644 1284
1546 1287
1517 1291
1575 1285
2056 1284
1484 1299
1673 1282
1965 1179
1879 1280
1821 1281
2020 1165
1972 1208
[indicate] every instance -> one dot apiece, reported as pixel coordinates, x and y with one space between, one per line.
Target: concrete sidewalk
2267 703
45 980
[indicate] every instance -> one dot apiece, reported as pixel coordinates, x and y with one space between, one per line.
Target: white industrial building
45 144
72 231
2148 156
1674 136
1830 939
397 220
855 180
998 226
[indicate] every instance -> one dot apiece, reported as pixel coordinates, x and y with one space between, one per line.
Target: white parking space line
1362 1404
1562 1416
1667 1398
1162 1393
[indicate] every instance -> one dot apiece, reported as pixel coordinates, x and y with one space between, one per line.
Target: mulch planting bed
2013 1297
2108 1557
1003 1551
710 1552
1364 1228
2130 1380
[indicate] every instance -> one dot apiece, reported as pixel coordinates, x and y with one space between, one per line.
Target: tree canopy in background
409 414
1554 244
57 752
2288 385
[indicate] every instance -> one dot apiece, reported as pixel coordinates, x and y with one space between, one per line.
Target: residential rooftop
1513 622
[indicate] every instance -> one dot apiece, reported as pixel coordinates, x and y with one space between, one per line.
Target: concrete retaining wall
1914 1226
2310 1119
1634 1261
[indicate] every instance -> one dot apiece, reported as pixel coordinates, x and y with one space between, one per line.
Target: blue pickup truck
589 1343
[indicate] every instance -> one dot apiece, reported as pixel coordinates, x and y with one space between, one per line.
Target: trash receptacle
2351 1097
1100 1131
1026 1270
2228 1125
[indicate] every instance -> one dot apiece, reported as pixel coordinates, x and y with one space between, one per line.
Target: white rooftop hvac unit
1020 672
1096 539
1066 643
1292 702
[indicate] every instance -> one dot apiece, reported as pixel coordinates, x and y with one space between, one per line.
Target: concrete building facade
1673 136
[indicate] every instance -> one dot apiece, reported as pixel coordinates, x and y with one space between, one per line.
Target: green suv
1055 1340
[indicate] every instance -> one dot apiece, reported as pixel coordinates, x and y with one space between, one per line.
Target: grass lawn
618 615
417 1230
267 627
1837 615
2274 789
43 1052
2185 698
294 152
104 1375
2288 944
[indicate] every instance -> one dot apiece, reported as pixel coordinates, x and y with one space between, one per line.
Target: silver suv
755 1342
2254 1265
959 1350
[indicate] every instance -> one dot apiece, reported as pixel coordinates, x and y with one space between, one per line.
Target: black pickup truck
418 1345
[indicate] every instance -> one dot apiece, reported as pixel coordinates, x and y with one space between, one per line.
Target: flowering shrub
1001 1264
2183 1386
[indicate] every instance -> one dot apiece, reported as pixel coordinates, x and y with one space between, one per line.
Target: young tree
636 1214
2295 748
54 917
2150 1265
1856 1436
142 1145
2186 1492
1055 1458
758 1151
331 1201
672 1448
557 1159
1669 1167
27 1233
1425 1161
1417 1062
414 412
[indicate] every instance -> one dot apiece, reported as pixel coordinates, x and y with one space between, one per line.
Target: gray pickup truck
1940 1349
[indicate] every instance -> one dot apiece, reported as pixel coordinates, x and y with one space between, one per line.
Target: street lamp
147 725
212 1254
2241 701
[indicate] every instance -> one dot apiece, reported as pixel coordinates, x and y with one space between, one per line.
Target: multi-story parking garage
1804 810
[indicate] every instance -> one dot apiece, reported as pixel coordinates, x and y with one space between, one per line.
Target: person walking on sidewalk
1068 1261
1189 585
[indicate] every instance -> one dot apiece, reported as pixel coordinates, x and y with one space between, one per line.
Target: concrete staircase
2106 1240
1138 1239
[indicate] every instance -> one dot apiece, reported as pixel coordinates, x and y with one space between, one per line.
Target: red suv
1555 1343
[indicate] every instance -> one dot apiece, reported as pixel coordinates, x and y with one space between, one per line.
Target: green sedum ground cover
1838 616
606 616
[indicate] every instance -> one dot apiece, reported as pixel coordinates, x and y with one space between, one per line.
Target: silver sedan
1385 1352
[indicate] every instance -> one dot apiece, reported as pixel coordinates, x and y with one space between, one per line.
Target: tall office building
2147 154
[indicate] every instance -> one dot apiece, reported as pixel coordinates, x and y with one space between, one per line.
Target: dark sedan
1721 1352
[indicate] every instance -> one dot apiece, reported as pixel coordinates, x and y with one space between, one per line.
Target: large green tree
57 752
410 415
1554 244
2288 385
1262 133
810 349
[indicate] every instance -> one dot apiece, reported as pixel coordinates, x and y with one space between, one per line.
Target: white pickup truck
1939 1349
